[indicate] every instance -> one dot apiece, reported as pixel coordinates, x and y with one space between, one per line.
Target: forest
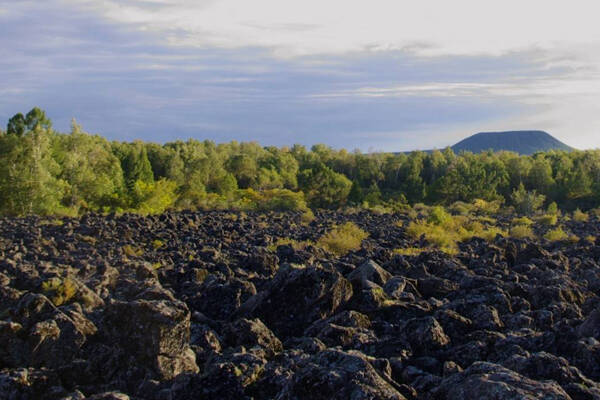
46 172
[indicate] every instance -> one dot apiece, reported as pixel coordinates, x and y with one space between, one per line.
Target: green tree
93 173
526 202
28 175
135 163
324 188
36 118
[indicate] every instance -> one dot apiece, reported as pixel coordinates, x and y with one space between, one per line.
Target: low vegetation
522 232
58 290
580 216
548 219
556 234
342 239
443 231
296 244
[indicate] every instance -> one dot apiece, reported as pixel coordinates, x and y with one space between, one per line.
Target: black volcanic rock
222 313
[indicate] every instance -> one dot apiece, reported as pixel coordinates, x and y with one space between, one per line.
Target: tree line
46 172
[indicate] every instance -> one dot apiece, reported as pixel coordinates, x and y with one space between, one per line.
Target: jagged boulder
297 297
484 380
334 374
369 271
591 326
252 332
156 333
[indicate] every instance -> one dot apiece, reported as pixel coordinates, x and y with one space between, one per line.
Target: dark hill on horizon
522 142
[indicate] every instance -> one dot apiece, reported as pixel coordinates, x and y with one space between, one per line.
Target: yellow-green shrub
410 251
591 238
443 231
556 234
439 216
131 251
154 198
548 219
296 244
436 235
460 207
573 238
281 200
307 217
521 232
580 216
490 233
487 207
342 239
522 221
59 290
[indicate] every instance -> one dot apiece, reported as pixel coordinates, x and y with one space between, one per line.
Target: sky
382 75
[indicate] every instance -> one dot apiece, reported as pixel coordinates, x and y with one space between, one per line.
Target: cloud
166 70
426 27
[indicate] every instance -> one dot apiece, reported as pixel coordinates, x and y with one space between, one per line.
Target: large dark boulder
156 333
252 332
484 380
591 326
298 296
334 374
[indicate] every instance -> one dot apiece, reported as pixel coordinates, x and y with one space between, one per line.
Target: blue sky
378 76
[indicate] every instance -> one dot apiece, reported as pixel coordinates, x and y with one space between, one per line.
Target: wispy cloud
427 27
278 72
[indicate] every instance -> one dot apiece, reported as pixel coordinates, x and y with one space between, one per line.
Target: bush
296 244
580 216
410 251
131 251
487 207
521 232
307 217
439 216
591 238
490 233
460 208
280 200
443 231
342 239
58 290
526 202
552 208
435 235
548 219
522 221
154 198
556 234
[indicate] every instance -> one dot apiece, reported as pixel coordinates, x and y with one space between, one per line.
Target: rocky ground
203 306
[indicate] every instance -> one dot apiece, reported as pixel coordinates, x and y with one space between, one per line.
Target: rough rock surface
207 305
